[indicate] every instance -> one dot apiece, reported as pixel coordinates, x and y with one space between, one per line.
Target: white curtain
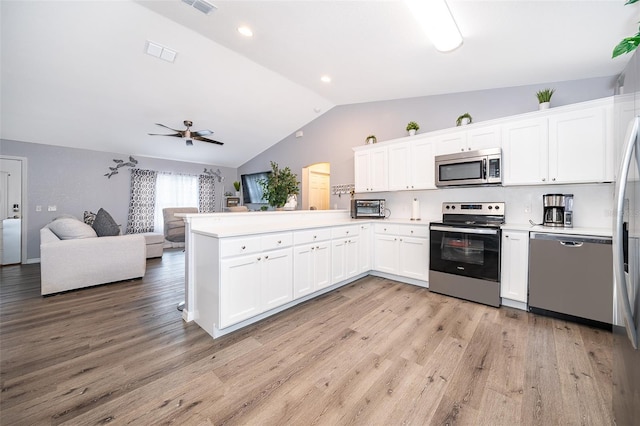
174 190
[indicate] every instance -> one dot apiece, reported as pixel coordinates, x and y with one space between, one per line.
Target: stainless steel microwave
480 167
368 209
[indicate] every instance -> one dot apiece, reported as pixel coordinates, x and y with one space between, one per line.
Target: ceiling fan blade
200 138
167 127
178 135
202 133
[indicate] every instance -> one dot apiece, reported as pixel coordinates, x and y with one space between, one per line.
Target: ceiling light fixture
437 22
325 79
245 31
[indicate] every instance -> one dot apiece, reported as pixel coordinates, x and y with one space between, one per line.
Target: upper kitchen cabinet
469 139
371 169
411 165
572 145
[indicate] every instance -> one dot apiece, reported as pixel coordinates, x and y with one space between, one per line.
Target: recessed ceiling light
325 79
245 31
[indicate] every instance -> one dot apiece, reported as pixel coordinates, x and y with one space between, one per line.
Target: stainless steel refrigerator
626 248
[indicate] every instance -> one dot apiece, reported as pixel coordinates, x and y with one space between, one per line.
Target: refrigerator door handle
618 261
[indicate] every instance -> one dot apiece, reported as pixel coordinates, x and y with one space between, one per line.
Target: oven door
469 252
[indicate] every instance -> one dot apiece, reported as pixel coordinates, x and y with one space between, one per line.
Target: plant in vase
412 128
464 119
544 97
280 184
371 139
236 186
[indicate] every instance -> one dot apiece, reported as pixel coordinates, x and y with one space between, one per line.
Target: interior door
11 211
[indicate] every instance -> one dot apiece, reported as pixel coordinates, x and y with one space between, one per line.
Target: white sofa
68 264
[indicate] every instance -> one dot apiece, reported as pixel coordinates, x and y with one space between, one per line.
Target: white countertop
600 232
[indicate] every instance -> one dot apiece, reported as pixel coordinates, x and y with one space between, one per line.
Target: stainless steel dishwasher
571 277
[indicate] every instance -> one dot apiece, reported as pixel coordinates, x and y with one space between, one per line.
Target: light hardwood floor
375 352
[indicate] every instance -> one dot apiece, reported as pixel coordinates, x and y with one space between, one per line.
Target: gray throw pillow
68 228
104 224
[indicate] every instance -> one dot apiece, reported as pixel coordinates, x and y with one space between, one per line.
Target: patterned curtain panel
206 194
142 202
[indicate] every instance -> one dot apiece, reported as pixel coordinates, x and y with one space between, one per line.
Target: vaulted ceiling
75 73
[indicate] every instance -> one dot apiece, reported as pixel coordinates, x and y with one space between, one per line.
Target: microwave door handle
618 235
484 169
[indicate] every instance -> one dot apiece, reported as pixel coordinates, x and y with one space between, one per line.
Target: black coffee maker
558 210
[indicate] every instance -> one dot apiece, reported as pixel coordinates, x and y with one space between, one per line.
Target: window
174 190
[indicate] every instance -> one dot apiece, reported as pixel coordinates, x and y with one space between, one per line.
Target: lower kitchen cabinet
515 266
311 268
402 250
254 283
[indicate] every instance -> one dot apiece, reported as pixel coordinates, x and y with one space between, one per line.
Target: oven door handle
465 230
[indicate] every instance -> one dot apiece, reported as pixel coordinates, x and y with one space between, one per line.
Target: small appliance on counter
368 209
557 210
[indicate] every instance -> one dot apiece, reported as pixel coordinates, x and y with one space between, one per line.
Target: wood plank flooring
375 352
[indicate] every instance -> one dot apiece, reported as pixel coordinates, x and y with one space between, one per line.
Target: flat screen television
251 189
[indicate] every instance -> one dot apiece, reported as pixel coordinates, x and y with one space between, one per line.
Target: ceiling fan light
189 142
436 21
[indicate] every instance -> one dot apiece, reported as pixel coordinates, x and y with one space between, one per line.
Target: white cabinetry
365 235
515 267
311 261
255 275
468 140
402 250
411 165
564 147
344 253
371 169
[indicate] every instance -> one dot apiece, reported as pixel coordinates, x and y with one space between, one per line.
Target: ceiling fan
188 134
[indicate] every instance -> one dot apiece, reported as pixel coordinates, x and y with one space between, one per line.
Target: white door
11 211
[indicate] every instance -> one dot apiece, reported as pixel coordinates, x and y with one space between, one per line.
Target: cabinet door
378 169
361 171
449 143
322 265
525 152
277 278
338 259
399 170
422 165
351 257
364 247
303 270
577 146
386 255
413 257
483 138
239 289
515 265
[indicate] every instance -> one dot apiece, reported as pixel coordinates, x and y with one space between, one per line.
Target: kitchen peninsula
243 267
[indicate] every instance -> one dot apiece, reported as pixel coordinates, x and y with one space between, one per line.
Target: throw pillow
67 228
104 225
89 217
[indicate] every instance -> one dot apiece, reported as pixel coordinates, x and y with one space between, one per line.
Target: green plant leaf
630 2
628 44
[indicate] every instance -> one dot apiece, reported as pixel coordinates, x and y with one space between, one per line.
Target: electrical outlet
52 208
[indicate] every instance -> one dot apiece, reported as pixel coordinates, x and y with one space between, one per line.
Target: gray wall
73 180
331 136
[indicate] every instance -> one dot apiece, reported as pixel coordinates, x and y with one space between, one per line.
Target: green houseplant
628 44
236 185
466 118
371 139
412 127
279 185
544 97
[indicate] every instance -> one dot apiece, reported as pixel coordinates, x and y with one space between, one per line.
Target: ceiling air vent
203 6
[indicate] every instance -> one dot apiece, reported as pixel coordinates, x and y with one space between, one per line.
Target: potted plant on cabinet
371 139
544 97
464 119
236 185
279 186
412 128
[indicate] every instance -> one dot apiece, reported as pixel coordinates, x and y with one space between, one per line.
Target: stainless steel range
464 255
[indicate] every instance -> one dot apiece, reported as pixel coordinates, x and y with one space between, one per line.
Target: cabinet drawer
345 231
274 241
414 231
239 245
387 228
311 235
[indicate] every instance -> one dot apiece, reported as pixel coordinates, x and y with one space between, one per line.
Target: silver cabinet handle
243 247
544 179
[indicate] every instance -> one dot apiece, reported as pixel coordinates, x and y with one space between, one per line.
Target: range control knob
490 207
497 207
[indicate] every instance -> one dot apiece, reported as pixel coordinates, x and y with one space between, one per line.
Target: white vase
544 105
292 202
412 132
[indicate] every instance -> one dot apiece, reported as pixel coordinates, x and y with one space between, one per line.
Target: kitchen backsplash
593 203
